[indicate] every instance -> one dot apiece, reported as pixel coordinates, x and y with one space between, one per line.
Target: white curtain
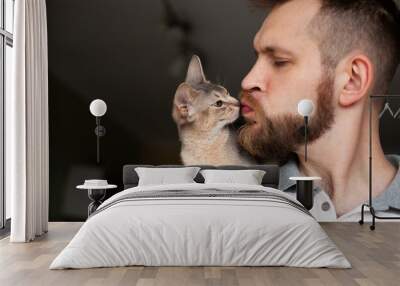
27 155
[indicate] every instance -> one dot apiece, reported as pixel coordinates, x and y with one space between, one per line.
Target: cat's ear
195 74
183 111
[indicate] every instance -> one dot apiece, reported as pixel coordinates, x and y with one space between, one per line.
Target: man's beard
275 138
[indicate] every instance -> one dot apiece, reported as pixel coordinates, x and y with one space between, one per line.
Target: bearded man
336 53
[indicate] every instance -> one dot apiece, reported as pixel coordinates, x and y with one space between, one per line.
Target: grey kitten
203 112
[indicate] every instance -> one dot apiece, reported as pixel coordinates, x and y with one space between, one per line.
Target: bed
201 224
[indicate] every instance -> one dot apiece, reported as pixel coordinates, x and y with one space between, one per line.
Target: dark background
133 55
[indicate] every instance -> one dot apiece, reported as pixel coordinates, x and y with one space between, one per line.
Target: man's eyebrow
272 50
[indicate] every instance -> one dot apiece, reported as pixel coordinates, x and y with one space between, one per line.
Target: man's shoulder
391 196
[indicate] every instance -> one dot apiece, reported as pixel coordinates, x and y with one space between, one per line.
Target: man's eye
280 64
218 103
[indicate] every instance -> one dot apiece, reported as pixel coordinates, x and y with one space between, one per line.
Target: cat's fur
203 112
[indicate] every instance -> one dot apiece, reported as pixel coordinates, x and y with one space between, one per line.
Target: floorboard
374 255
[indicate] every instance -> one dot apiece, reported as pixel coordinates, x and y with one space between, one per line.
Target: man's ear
195 74
355 79
183 111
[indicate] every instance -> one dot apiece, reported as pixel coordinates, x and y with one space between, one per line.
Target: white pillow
248 177
162 176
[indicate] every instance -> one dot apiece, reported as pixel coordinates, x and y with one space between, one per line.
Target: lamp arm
98 138
305 136
100 131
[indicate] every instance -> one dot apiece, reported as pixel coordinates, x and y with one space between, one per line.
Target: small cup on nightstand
96 192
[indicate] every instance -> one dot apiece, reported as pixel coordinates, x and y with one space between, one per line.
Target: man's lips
246 109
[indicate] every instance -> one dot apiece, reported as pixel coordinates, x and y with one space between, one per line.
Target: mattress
201 225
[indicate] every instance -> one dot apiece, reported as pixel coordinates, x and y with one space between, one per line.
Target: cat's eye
218 103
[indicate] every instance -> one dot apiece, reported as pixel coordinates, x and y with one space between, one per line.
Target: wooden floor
375 257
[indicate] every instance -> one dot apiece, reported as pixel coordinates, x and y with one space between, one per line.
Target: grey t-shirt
386 204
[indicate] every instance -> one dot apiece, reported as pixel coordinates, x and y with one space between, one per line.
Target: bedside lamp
304 185
305 108
98 108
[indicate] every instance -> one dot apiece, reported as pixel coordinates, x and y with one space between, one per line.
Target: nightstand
304 190
96 194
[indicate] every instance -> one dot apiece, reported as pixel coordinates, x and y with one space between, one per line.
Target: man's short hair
342 26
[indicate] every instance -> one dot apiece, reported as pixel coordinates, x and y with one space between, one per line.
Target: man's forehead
285 25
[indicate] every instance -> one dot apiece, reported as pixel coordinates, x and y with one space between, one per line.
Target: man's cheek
260 104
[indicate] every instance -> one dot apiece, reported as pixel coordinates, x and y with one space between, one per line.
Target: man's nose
255 80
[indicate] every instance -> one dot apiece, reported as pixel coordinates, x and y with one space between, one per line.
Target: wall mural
183 85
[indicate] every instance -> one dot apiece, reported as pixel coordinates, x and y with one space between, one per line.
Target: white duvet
200 231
